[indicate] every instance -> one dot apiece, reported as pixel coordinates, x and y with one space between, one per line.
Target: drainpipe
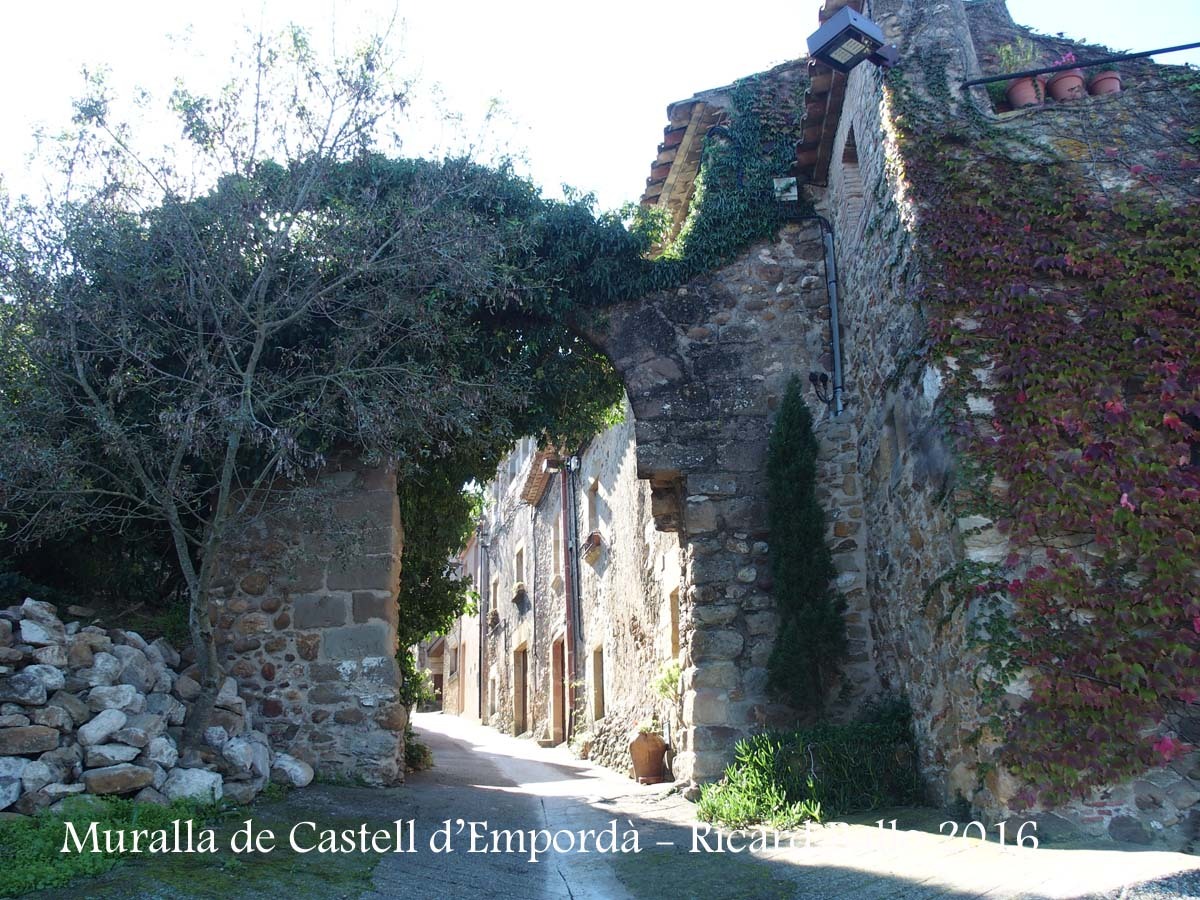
831 286
484 599
568 541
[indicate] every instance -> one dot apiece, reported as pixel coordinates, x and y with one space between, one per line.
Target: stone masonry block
319 611
358 641
364 573
372 605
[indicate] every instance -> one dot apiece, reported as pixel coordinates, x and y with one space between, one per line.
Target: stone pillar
307 617
705 366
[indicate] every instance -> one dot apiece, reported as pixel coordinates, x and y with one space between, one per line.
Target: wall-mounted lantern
848 38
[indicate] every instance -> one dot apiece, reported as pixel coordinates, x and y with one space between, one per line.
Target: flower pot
1107 82
648 750
1066 85
1023 92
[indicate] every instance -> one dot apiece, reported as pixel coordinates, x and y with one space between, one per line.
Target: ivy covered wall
1021 305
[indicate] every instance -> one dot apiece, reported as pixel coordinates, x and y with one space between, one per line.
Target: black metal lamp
848 38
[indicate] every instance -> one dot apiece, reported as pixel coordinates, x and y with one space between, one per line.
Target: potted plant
592 546
647 748
1067 84
1020 55
1105 82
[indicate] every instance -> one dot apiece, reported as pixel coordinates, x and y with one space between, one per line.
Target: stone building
704 367
600 565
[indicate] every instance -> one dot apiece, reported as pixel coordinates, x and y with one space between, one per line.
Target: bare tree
181 334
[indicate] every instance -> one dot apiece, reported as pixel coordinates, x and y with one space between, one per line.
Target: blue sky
583 87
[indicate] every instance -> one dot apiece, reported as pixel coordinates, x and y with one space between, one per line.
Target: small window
556 545
675 624
598 683
495 600
519 566
593 506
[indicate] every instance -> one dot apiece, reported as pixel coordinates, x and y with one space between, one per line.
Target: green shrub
816 773
417 756
811 640
30 847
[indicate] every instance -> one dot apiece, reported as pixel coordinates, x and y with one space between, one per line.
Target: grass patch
783 779
30 847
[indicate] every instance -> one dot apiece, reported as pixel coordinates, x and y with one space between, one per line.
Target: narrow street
481 775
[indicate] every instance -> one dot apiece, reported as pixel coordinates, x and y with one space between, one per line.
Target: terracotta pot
648 750
1066 85
1023 92
1107 82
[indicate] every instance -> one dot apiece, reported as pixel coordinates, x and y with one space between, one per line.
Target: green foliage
812 633
417 756
666 682
1019 55
782 779
1084 308
30 846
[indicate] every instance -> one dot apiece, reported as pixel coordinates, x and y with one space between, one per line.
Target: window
593 506
519 566
495 601
852 185
556 543
675 624
598 684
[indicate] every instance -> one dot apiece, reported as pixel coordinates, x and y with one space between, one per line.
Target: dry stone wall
86 710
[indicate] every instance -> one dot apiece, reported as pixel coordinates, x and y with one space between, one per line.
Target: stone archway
307 617
704 367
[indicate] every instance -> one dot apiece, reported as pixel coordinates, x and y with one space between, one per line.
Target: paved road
483 776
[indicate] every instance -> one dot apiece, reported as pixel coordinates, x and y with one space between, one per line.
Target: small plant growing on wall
812 633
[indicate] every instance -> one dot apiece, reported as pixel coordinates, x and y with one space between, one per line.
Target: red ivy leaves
1089 313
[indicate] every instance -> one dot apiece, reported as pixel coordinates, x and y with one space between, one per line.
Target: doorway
520 690
558 716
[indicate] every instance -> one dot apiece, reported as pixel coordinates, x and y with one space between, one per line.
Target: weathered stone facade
306 620
705 365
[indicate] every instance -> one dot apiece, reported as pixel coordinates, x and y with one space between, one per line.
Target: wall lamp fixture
848 38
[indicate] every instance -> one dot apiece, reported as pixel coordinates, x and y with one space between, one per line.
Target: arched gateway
307 618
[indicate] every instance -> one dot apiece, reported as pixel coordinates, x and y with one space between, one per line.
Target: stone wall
918 525
305 609
96 711
705 367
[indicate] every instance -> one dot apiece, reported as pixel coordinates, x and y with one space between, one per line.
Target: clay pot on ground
1106 82
648 750
1066 85
1023 92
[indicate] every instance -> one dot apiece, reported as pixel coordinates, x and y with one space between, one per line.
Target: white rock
13 766
59 791
110 755
260 762
162 751
286 769
169 654
124 697
36 776
136 670
10 791
227 696
50 676
197 784
99 729
239 753
40 635
215 736
106 669
52 655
